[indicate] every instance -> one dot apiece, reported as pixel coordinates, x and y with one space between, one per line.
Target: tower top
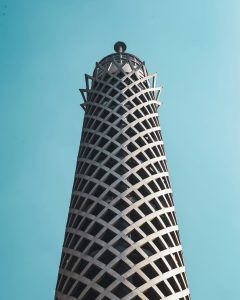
120 47
120 60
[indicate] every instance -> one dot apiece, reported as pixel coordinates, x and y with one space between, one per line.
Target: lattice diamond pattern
122 239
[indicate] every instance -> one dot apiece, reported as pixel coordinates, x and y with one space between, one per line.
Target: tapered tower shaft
122 239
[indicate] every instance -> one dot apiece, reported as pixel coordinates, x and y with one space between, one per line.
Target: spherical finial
120 47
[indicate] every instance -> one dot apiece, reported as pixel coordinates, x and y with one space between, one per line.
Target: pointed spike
157 96
83 106
154 80
86 80
83 95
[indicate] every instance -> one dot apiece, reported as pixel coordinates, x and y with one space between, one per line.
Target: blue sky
46 47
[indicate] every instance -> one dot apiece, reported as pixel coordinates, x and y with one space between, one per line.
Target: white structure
122 239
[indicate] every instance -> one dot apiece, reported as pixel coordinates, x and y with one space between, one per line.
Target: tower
121 239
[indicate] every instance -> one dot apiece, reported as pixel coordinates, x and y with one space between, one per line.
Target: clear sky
46 47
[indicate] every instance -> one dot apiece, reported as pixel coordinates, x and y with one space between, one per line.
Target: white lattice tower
122 239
